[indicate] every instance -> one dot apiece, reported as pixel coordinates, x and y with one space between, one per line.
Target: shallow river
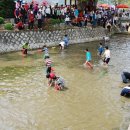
91 100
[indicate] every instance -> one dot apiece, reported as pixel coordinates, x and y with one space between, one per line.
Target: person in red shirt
17 15
26 6
31 20
20 25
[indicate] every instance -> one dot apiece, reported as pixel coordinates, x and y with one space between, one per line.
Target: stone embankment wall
12 41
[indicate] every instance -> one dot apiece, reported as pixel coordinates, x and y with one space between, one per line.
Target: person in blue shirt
66 40
100 49
76 13
88 59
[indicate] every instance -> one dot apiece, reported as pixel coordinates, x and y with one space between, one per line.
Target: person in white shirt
67 20
48 12
43 11
62 45
106 56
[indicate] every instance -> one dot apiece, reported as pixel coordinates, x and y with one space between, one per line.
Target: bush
8 26
1 20
55 21
7 8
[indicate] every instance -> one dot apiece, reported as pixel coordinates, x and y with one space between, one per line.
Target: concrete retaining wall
12 41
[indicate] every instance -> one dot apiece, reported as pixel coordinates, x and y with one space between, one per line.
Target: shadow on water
65 89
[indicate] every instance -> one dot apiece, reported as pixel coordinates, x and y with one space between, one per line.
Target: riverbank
13 40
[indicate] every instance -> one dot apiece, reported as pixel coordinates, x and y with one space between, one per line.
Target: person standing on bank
39 18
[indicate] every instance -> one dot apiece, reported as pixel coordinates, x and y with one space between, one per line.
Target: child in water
62 44
59 83
100 50
88 59
106 56
51 79
25 48
46 52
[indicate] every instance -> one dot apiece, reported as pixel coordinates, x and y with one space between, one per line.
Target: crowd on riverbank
35 15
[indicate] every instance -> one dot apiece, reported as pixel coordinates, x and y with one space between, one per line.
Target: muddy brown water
91 100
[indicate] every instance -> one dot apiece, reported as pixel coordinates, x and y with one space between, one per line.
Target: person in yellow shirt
25 48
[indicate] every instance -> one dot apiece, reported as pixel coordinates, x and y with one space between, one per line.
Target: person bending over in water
88 59
62 45
125 77
25 49
51 79
126 91
59 83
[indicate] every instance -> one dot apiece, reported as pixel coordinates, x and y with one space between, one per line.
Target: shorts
46 56
106 60
100 53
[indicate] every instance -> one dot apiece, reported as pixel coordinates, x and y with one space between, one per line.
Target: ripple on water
92 101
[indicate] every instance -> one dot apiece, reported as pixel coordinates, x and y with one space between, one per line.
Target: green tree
120 2
90 4
7 8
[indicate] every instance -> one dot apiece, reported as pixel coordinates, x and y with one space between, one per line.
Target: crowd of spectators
31 13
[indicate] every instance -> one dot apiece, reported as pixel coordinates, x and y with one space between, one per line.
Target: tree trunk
65 2
70 2
75 2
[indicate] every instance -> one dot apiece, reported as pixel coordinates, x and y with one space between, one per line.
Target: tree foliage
7 8
90 4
